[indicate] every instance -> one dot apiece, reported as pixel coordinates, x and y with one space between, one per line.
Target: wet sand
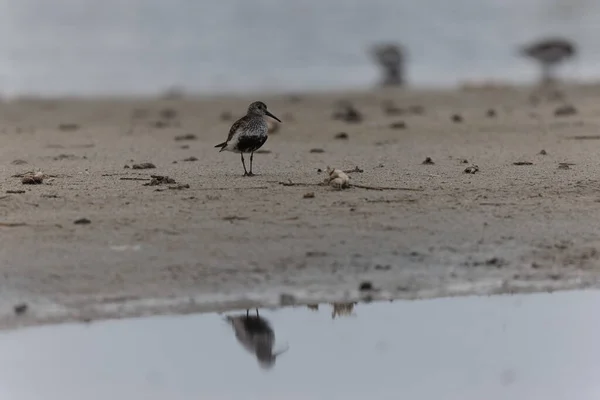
413 231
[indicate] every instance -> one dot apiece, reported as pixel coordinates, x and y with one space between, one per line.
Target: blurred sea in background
53 47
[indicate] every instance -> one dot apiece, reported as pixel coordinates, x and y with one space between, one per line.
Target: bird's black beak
272 116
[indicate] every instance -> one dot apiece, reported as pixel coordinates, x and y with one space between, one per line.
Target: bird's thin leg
247 313
251 159
244 164
256 311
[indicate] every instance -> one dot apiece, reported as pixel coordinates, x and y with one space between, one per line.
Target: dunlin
390 58
256 335
249 133
549 53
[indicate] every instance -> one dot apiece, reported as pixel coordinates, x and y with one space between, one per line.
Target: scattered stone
159 180
18 162
341 135
319 170
65 157
168 113
192 158
187 136
15 191
365 286
160 124
345 111
82 221
428 161
337 179
33 178
398 125
309 195
542 152
20 308
126 166
457 118
565 110
68 127
464 161
317 150
564 166
146 165
473 169
522 163
491 113
355 169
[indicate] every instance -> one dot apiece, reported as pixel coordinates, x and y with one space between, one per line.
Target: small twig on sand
290 183
355 169
384 188
12 224
134 179
234 188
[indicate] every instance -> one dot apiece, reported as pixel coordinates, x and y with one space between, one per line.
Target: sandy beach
211 239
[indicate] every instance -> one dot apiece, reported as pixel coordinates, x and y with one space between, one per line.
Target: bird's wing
237 125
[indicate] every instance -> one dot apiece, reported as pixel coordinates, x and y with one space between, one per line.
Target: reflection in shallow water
257 336
541 346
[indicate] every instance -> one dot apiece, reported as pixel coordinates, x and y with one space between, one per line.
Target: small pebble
21 308
309 195
188 136
317 150
542 152
428 161
82 221
472 169
341 135
398 125
191 159
491 113
143 166
365 286
565 110
457 118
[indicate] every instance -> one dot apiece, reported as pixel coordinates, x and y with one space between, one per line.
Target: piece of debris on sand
145 165
33 178
337 179
160 180
473 169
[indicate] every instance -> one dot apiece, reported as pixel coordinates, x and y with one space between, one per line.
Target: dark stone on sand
365 286
187 136
192 158
457 118
542 152
20 308
428 161
143 166
398 125
564 111
491 113
82 221
341 135
317 151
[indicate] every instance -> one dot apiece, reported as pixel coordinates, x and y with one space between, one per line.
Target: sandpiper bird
256 335
549 52
248 133
390 58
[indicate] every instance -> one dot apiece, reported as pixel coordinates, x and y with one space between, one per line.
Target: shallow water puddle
541 346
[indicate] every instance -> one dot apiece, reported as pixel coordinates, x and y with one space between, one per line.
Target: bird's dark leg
256 311
251 159
247 313
244 164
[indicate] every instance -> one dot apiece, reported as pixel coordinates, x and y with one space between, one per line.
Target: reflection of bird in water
390 58
342 310
549 53
256 335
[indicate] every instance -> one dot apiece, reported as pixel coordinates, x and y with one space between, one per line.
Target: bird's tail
222 146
